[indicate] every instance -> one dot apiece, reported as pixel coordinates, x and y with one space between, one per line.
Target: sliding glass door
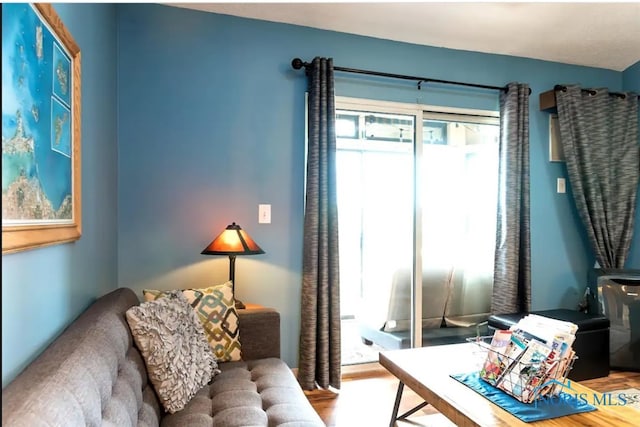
375 199
416 204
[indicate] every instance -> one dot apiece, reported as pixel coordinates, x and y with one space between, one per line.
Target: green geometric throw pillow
215 307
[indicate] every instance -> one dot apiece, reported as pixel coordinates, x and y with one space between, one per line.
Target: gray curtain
599 134
319 363
512 271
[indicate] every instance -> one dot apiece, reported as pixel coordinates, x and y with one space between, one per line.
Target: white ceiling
603 35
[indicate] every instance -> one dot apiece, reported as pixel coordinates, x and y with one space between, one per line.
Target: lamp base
240 305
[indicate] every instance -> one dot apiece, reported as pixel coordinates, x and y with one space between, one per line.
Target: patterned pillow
215 307
172 342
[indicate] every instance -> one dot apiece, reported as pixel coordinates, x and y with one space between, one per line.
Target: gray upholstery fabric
260 333
320 322
599 135
255 393
512 269
92 375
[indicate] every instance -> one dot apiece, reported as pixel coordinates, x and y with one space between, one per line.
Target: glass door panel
375 213
458 190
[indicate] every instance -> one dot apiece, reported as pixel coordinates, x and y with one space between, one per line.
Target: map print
37 140
62 65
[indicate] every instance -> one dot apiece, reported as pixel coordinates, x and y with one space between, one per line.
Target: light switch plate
264 214
561 185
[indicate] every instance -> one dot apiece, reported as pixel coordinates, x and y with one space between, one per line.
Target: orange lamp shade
233 241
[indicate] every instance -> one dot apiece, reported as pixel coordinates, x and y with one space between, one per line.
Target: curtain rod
591 92
297 64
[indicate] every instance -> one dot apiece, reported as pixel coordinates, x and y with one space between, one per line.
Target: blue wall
631 82
45 289
211 123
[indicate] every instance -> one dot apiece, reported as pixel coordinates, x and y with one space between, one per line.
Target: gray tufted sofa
93 375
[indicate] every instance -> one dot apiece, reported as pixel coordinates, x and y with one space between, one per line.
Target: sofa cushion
254 393
171 339
215 307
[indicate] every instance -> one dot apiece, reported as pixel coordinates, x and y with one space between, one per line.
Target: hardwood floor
368 392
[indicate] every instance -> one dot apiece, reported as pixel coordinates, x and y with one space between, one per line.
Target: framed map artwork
41 186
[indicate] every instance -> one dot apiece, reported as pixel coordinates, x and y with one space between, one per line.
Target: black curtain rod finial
297 63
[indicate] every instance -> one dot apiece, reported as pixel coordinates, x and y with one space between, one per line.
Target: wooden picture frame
41 173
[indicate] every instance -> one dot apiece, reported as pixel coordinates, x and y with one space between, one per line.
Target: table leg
396 406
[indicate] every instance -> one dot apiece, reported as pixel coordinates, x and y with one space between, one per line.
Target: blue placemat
565 404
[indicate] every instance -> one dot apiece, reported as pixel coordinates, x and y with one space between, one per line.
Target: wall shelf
548 101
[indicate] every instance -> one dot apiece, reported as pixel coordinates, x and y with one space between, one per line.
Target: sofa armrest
259 333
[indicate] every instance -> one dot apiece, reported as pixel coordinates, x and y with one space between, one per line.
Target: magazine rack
525 381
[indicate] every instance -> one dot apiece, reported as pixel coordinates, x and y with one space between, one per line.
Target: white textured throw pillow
215 307
172 342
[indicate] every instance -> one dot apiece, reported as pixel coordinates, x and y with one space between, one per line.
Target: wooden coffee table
426 371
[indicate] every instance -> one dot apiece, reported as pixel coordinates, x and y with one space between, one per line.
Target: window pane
375 204
459 199
346 126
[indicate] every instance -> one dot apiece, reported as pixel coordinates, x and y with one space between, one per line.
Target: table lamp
233 241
